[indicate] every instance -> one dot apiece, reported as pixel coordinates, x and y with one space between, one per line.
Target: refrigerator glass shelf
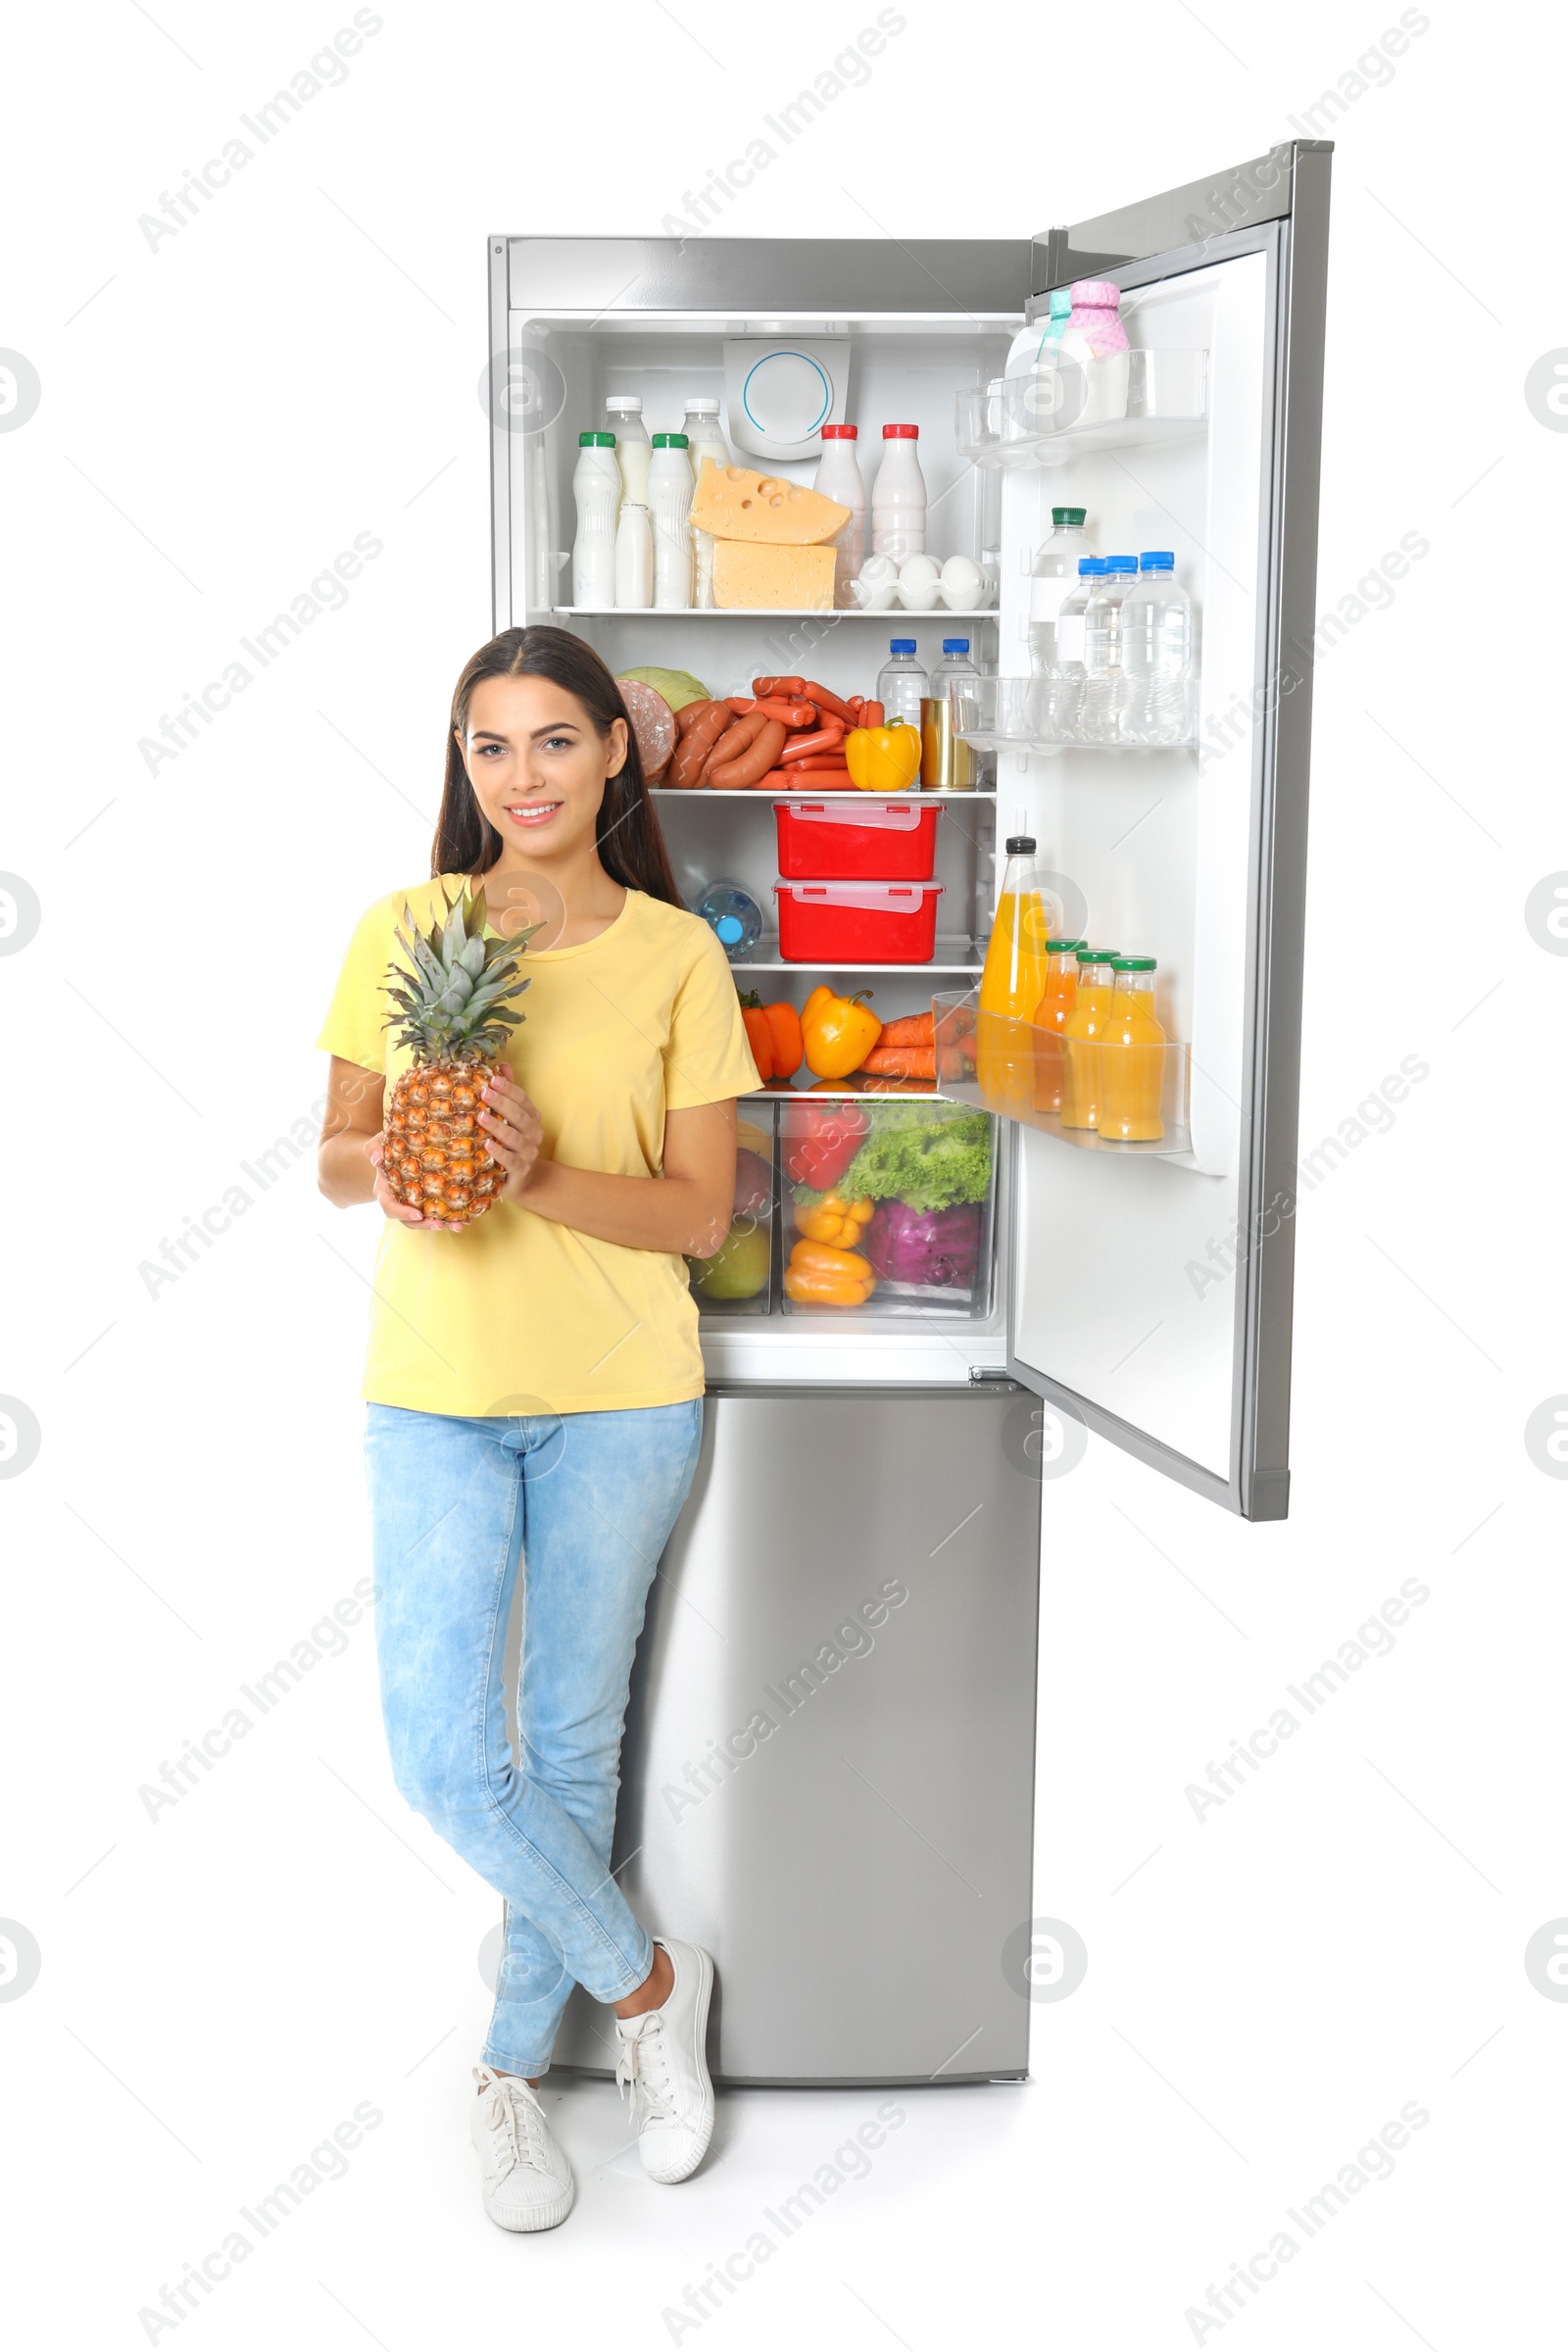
972 1044
882 613
1004 715
807 792
955 952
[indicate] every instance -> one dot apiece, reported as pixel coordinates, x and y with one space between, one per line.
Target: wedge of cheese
775 579
733 502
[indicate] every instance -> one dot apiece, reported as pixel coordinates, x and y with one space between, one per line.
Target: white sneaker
663 2062
527 2182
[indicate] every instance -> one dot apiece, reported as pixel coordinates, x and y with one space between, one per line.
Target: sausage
740 704
689 713
829 703
795 686
872 715
796 779
801 746
691 756
652 722
820 764
754 757
794 713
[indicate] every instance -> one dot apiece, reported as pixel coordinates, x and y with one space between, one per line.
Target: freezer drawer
829 1751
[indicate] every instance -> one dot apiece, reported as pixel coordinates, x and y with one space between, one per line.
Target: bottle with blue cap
902 684
1105 684
947 762
1064 688
1156 653
734 917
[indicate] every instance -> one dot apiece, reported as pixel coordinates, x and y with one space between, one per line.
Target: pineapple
454 1018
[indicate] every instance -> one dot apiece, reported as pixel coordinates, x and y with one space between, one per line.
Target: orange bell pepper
839 1032
758 1036
827 1276
834 1220
788 1041
810 1289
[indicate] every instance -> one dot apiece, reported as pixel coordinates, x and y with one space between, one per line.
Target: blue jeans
586 1501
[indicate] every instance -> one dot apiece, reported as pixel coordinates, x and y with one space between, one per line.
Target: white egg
963 582
916 569
876 585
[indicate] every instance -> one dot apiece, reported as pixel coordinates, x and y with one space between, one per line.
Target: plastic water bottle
1105 683
1054 576
902 684
1063 692
596 487
1156 652
733 914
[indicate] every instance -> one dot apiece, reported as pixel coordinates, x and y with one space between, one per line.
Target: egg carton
920 584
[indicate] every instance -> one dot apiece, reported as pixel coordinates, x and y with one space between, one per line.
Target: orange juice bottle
1051 1013
1014 978
1131 1057
1081 1033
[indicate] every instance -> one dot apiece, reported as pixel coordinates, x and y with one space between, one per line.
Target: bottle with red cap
838 477
898 496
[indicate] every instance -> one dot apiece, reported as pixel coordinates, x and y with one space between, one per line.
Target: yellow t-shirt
519 1314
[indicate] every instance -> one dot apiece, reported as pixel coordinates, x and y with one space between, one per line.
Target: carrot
917 1029
900 1061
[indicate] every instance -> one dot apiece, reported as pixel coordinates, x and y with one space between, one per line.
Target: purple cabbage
937 1249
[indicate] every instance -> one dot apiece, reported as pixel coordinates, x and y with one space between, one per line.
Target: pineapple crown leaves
450 992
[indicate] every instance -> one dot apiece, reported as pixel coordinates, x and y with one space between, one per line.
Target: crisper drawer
742 1277
887 1206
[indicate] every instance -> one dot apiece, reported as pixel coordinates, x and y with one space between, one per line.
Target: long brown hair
631 847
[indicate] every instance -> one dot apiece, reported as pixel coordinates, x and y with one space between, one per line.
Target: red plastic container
858 838
836 923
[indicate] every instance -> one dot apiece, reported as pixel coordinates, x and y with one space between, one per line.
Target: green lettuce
924 1153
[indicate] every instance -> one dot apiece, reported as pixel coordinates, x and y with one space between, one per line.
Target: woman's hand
387 1201
513 1132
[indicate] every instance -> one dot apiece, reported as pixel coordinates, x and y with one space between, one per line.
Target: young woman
534 1381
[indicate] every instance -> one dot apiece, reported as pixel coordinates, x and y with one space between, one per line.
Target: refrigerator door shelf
1040 1064
1012 714
1049 416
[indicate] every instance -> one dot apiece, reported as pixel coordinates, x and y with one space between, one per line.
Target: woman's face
538 766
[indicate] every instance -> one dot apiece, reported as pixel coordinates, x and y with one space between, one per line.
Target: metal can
947 763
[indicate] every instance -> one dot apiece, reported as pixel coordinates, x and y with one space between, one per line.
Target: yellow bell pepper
833 1219
839 1032
827 1277
883 759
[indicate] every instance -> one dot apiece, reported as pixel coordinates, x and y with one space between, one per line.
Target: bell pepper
789 1045
819 1140
883 759
827 1277
839 1032
834 1220
810 1289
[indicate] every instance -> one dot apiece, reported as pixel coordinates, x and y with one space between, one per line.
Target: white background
219 417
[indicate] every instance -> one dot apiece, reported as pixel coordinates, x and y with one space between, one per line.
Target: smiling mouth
534 813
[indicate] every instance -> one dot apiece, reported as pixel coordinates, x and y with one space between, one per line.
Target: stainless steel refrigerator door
829 1759
1152 1301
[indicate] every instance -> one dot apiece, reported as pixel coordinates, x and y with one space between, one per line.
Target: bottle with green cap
1134 1058
596 487
1082 1032
1054 578
669 505
1056 1001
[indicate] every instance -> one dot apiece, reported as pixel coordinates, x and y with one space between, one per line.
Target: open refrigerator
860 1868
